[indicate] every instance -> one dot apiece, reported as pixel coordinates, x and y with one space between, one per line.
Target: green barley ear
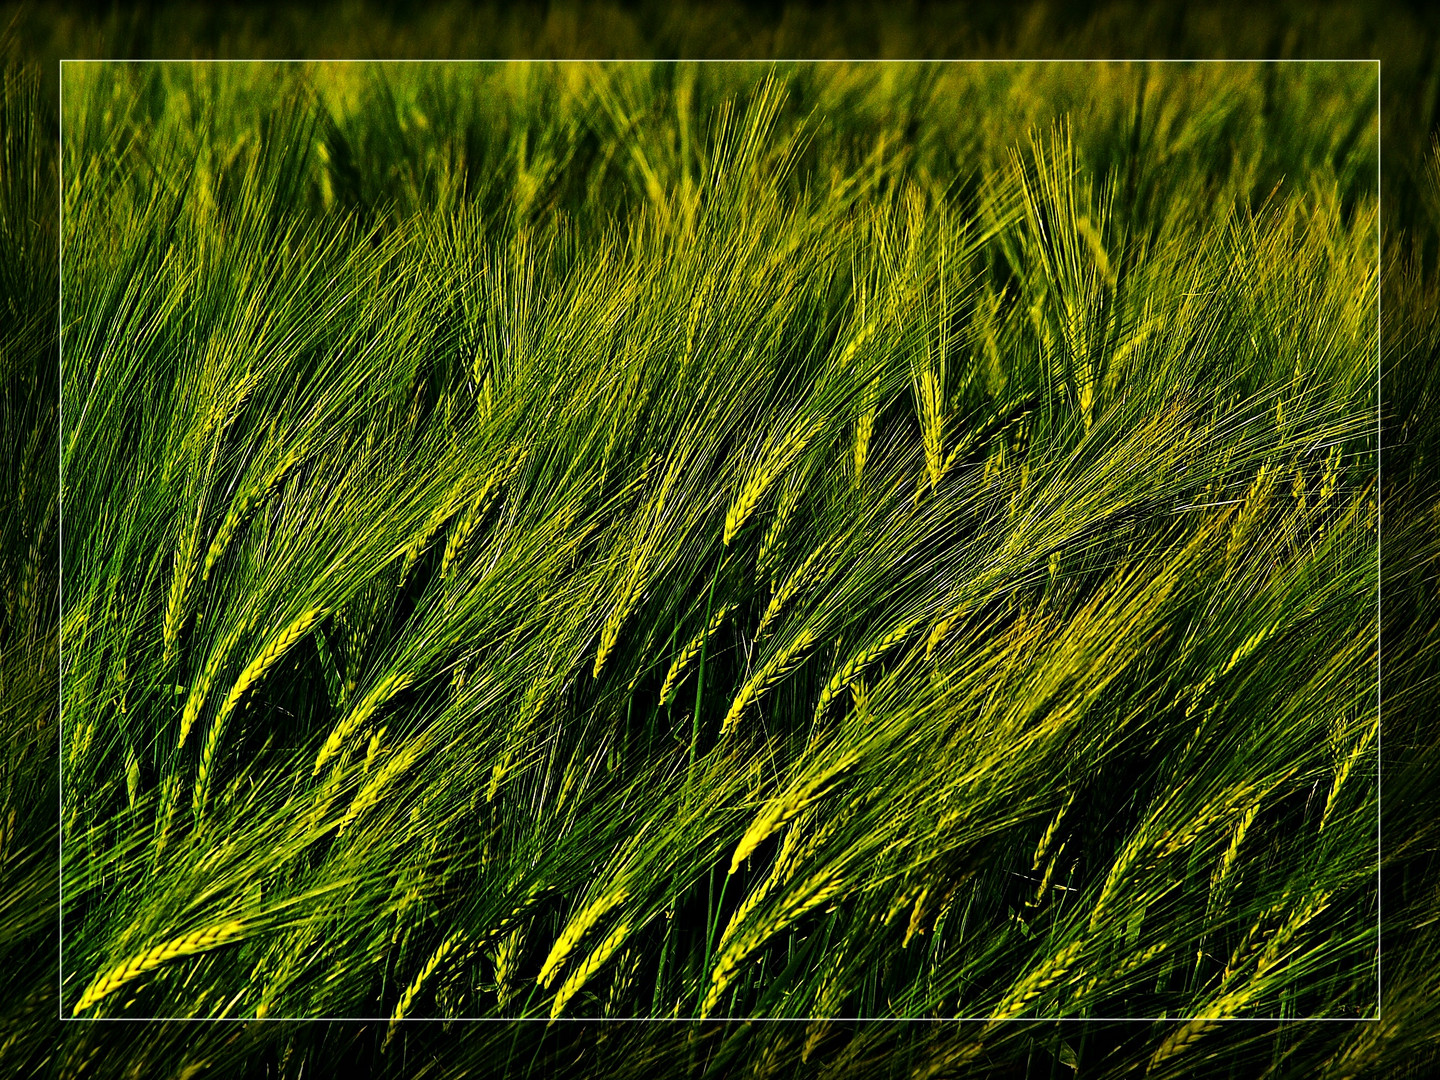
575 930
201 688
1029 989
773 544
378 695
781 810
610 631
256 670
857 664
1343 769
212 937
680 667
421 540
506 959
929 395
591 964
780 454
241 508
132 777
480 506
277 647
780 665
179 595
816 566
1052 830
376 786
407 999
864 430
816 890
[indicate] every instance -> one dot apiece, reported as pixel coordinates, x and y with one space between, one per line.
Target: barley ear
382 692
407 999
680 667
187 945
592 964
753 490
573 932
775 670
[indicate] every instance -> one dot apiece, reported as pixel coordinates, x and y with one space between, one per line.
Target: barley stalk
187 945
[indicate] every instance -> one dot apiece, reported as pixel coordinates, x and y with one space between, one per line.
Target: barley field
826 568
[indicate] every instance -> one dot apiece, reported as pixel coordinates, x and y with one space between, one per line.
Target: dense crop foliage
795 541
425 428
